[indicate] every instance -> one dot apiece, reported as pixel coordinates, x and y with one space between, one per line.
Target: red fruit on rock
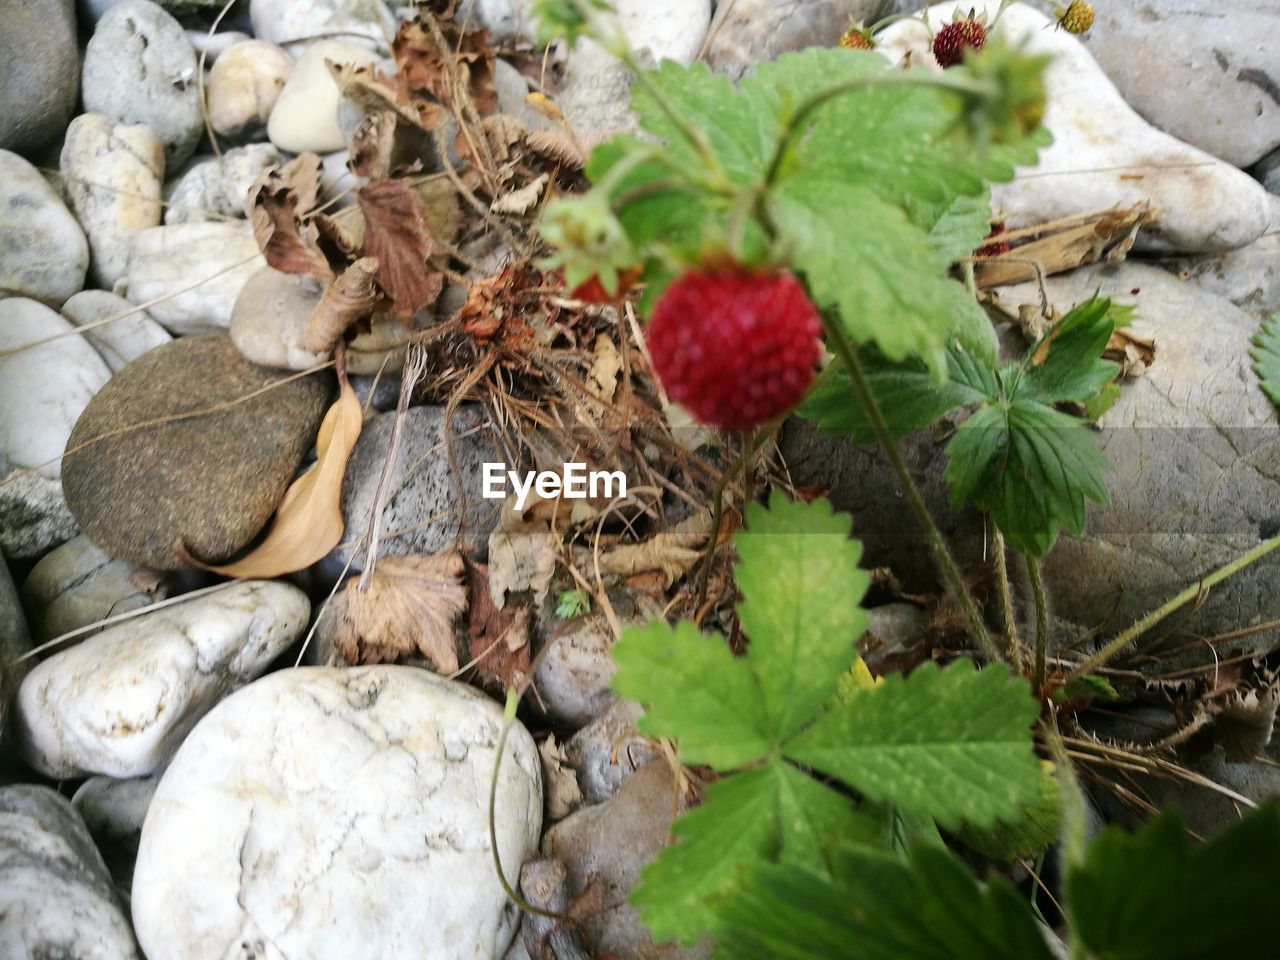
735 348
996 248
954 39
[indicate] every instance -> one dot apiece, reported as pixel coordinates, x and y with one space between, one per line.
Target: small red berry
997 248
735 348
954 39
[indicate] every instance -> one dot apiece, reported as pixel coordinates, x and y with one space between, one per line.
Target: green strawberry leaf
1150 896
877 907
957 226
1266 357
922 743
763 815
1031 468
1071 368
1035 830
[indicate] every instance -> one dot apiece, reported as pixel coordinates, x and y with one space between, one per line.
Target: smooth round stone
271 314
213 47
211 188
505 20
33 513
211 481
124 338
244 85
1104 154
609 749
93 10
747 32
15 640
198 267
77 584
282 21
305 116
120 702
1215 82
43 251
113 810
112 173
39 72
422 513
573 678
139 67
43 389
56 895
666 29
338 813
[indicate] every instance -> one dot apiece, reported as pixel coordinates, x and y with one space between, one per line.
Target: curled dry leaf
366 88
288 244
407 603
1244 721
430 78
371 145
672 553
520 202
396 233
345 302
602 381
302 175
498 639
563 793
522 557
308 522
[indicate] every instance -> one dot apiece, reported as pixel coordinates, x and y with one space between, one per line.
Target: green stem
1075 835
1042 622
1006 603
941 555
1172 606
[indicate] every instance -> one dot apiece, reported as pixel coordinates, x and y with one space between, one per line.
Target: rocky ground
178 786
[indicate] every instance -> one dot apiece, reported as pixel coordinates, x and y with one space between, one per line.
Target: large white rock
113 173
56 897
213 188
128 334
43 251
1104 154
198 267
338 814
282 21
244 85
747 32
1249 277
120 702
43 389
305 116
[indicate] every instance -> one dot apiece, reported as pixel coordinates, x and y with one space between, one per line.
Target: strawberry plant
828 194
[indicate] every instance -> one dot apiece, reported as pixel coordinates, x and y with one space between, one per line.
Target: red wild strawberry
736 348
997 248
955 38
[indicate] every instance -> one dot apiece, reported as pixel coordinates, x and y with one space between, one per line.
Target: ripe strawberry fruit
736 348
949 46
999 246
1077 18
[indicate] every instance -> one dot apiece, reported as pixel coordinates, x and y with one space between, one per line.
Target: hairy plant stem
1006 602
750 445
941 554
1042 622
1173 605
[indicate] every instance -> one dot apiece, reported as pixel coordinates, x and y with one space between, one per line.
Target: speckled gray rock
1103 153
1216 82
211 481
77 584
244 85
39 72
280 21
608 750
15 640
171 261
43 251
139 67
112 173
43 388
609 844
423 508
55 892
210 188
573 677
123 339
33 513
747 32
319 786
120 702
504 19
113 810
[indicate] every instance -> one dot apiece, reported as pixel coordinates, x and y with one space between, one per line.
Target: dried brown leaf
1064 245
558 145
345 302
499 639
521 201
408 603
672 553
559 779
433 80
602 380
302 175
396 233
521 558
1244 721
308 522
367 89
288 244
371 145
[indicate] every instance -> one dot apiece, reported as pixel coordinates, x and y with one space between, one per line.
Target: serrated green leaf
877 907
1071 369
952 744
1089 685
908 395
1150 896
955 227
695 689
801 590
1266 357
763 815
1031 468
1028 836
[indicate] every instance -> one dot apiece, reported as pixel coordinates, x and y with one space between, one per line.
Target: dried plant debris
443 78
405 605
672 553
498 639
395 232
287 243
343 304
521 558
561 781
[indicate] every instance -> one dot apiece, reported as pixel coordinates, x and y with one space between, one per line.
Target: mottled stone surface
747 32
120 702
211 481
15 640
213 188
39 72
33 512
127 336
43 251
114 810
339 815
244 85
